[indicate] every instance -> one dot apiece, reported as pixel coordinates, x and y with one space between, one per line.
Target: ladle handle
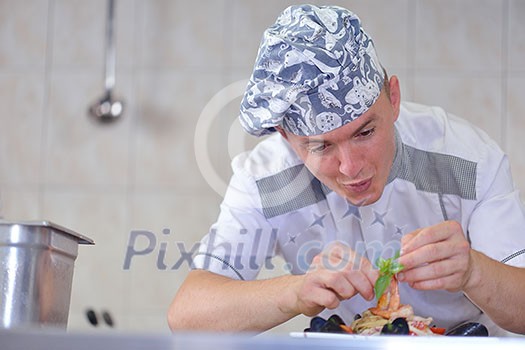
110 48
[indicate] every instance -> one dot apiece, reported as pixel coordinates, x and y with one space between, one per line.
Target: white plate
320 335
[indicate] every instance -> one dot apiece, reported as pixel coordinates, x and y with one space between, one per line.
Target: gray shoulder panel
437 173
291 189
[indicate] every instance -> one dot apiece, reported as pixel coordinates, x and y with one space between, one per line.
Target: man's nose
349 163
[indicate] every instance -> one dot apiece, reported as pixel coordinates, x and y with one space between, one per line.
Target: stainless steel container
36 273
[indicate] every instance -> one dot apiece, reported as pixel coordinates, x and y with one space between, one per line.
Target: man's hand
436 257
336 274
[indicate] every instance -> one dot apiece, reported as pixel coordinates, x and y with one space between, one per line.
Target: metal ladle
108 109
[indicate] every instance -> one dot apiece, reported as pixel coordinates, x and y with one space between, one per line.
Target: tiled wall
174 56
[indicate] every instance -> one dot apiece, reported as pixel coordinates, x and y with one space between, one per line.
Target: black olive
398 327
472 329
316 323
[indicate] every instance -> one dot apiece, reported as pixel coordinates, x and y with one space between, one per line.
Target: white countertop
58 340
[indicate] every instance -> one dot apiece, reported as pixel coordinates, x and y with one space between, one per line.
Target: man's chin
361 200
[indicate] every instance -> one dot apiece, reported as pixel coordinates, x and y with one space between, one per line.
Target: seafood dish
389 316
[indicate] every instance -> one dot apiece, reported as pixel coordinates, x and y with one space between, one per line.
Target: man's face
354 160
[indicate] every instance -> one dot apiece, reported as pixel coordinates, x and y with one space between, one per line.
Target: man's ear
395 95
282 132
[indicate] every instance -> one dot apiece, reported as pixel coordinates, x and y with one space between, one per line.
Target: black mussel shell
336 319
398 327
333 325
316 323
357 317
469 329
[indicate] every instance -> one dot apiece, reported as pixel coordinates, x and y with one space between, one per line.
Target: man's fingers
426 254
422 238
436 257
363 285
429 271
345 273
409 236
444 274
326 298
339 284
449 283
429 235
316 300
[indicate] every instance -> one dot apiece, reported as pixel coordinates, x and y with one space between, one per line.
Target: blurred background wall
173 58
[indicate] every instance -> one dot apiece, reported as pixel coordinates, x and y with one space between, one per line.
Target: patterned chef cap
315 71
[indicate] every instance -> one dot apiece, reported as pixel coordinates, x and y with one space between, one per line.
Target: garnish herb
387 269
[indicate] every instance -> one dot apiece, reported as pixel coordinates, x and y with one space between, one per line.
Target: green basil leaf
380 262
382 284
396 267
396 255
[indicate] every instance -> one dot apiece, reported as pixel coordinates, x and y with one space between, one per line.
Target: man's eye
367 132
317 149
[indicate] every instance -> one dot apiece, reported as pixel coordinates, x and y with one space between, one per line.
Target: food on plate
381 318
389 316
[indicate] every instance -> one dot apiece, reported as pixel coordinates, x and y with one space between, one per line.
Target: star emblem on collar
291 238
379 218
352 210
318 220
399 230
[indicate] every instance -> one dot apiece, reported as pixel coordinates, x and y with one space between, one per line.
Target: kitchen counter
60 340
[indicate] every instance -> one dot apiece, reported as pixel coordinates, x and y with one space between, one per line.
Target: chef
351 174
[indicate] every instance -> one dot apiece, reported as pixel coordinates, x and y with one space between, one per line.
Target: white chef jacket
443 169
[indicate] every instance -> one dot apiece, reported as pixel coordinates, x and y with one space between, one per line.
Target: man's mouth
358 186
